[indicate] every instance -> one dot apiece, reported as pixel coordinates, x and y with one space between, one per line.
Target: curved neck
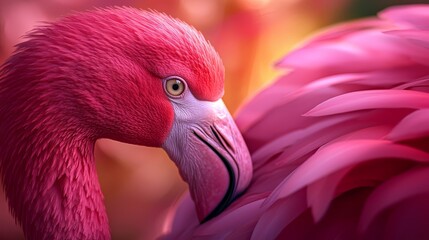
51 183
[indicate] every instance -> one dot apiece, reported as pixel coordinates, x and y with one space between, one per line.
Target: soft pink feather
333 138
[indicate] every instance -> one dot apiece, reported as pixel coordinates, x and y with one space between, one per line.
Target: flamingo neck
51 184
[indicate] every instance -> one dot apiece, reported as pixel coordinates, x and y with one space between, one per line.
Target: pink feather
340 142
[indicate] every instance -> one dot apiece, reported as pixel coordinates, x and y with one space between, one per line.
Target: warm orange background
139 184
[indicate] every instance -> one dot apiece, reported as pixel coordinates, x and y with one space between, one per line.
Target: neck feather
51 182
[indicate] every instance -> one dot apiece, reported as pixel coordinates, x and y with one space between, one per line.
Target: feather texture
340 144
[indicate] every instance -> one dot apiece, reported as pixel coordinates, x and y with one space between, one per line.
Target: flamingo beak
211 155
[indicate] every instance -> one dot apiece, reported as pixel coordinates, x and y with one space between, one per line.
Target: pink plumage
134 76
340 143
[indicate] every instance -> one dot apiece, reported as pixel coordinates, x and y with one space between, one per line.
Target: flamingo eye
174 86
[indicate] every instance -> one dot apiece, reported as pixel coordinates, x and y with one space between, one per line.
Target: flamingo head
202 138
198 132
145 78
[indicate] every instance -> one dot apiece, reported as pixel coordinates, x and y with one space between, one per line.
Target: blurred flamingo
334 149
339 144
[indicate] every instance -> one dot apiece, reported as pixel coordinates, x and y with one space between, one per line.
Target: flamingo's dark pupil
175 87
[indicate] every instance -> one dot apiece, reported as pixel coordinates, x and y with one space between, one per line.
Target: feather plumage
339 143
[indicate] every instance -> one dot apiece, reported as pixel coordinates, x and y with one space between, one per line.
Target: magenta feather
340 142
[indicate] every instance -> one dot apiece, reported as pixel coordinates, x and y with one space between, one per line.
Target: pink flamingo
133 76
334 146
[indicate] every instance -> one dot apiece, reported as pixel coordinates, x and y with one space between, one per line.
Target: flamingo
134 76
330 150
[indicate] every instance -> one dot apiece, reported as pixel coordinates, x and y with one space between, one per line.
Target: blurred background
140 184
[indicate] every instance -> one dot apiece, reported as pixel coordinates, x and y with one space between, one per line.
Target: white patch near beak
210 153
